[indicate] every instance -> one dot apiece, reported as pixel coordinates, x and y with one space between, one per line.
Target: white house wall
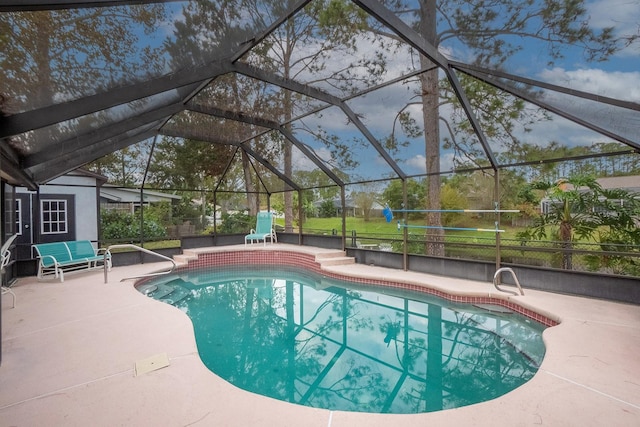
84 190
126 195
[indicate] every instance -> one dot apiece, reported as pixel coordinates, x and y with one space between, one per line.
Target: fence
606 258
577 256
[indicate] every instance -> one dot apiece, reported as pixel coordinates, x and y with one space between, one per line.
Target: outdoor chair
264 229
56 258
5 255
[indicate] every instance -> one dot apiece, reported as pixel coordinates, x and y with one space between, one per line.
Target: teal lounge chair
263 231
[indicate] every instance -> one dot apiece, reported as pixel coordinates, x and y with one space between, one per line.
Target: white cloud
302 162
339 61
379 109
614 84
563 132
418 163
623 15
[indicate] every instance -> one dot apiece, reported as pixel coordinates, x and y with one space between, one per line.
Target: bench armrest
42 257
103 251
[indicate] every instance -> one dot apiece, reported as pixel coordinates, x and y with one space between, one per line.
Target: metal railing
496 279
140 249
601 257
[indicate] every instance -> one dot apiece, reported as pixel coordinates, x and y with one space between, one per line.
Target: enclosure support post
203 207
496 197
343 202
405 234
144 180
215 213
141 221
300 217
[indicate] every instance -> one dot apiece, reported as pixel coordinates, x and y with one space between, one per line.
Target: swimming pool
318 341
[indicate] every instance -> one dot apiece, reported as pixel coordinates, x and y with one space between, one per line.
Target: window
19 216
54 216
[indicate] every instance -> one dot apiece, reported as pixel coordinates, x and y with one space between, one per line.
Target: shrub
327 209
239 222
120 226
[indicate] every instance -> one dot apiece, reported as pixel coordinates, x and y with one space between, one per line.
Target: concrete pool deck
69 351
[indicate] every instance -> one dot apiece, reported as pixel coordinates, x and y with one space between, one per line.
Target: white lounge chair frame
5 255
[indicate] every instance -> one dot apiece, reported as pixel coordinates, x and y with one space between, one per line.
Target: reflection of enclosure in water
354 349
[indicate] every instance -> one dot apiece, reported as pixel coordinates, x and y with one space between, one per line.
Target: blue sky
619 77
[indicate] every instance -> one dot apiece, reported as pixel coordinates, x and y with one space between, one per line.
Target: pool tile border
309 262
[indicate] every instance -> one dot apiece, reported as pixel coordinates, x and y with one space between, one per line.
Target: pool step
330 254
179 293
147 288
161 291
185 257
334 258
170 292
337 261
328 258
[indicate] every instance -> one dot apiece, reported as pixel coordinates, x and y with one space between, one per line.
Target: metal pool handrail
510 270
140 249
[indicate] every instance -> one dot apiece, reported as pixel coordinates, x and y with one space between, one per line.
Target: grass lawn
160 244
373 226
379 226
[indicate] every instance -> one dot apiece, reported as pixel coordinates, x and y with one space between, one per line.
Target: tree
569 213
191 166
209 28
490 30
452 199
365 199
318 182
238 222
393 196
555 160
66 54
187 164
206 32
618 234
327 209
124 167
298 49
578 208
301 46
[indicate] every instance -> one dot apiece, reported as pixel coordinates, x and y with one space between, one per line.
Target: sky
619 77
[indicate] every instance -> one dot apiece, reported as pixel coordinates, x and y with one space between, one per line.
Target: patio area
69 352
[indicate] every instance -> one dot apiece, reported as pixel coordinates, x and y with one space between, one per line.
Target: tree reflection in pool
310 340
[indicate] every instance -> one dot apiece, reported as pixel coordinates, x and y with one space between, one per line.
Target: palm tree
572 213
619 234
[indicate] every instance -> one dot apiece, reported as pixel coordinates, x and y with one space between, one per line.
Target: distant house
129 199
628 183
349 207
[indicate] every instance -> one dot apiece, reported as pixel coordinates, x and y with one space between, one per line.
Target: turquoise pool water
324 343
